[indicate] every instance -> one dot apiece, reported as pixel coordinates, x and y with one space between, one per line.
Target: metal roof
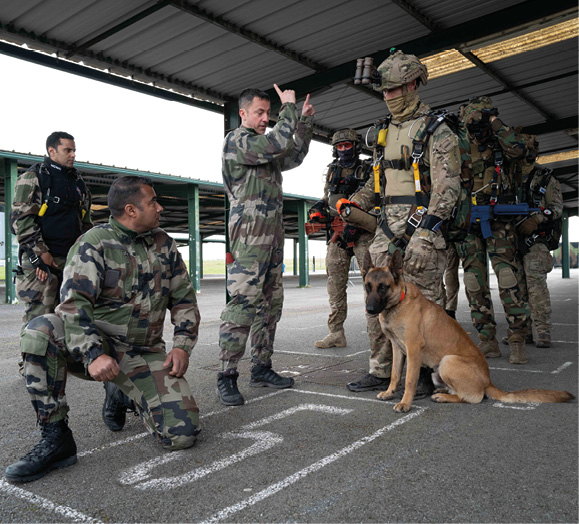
204 53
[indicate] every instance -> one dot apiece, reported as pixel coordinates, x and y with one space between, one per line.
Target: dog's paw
402 408
385 395
436 397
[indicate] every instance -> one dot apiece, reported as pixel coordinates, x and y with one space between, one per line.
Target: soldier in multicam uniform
344 177
538 234
252 166
119 280
495 150
425 253
451 281
50 211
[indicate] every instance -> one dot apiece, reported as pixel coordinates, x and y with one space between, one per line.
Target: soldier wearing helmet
496 150
345 175
401 207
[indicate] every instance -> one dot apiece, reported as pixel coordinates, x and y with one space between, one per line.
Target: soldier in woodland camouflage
51 209
538 235
426 253
344 177
495 151
252 165
119 281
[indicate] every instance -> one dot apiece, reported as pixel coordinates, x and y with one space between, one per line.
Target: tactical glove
529 225
419 251
318 211
345 202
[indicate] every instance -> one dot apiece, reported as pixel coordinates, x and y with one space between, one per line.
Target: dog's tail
528 395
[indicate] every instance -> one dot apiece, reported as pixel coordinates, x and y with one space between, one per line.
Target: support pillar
9 172
303 244
565 259
194 236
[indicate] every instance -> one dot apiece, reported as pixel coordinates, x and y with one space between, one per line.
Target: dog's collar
402 294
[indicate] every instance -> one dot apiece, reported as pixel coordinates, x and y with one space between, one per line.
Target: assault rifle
483 215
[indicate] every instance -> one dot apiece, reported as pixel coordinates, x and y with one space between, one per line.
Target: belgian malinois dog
423 332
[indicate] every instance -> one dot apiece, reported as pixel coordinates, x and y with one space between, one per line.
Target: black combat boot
263 376
227 388
55 450
115 407
369 382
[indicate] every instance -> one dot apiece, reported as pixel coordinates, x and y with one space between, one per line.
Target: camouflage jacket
443 160
512 147
122 283
25 208
252 166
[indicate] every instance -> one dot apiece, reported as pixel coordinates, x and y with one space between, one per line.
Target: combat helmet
399 69
475 104
345 135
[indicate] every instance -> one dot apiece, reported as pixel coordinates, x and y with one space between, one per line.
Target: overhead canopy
521 53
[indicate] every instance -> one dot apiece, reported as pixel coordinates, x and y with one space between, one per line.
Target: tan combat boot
333 340
518 351
490 348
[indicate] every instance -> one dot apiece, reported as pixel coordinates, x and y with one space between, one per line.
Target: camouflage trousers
538 263
451 282
254 282
39 298
502 252
337 268
165 403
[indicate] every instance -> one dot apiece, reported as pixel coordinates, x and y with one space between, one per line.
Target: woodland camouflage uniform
118 286
252 167
501 247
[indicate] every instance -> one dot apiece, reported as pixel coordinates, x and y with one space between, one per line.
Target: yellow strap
43 209
417 187
376 168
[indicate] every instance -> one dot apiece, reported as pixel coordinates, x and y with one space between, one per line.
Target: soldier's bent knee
507 278
471 282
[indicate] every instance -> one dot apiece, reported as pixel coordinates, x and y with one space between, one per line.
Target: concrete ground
317 452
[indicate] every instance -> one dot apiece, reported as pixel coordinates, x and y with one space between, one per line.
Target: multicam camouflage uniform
451 282
339 257
117 288
54 232
501 247
442 158
252 166
537 258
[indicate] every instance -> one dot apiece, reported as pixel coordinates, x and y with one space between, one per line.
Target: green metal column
295 245
303 244
9 172
194 236
565 260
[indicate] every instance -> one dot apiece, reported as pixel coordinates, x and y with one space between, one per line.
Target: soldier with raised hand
344 177
119 281
411 213
496 150
51 209
253 162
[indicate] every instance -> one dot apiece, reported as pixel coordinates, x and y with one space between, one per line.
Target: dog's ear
367 264
396 263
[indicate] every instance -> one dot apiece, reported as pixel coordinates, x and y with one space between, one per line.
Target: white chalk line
316 466
65 511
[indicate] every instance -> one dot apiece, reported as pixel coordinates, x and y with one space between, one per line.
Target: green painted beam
194 236
565 259
9 172
303 245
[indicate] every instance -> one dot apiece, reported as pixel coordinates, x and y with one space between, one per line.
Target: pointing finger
279 92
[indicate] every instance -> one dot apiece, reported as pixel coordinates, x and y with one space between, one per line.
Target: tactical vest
64 194
493 177
343 182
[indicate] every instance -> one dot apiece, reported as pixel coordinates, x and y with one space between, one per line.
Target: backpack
458 225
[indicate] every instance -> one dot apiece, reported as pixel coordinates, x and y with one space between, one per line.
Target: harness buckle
415 218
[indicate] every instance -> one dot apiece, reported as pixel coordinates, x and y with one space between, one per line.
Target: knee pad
507 278
471 283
